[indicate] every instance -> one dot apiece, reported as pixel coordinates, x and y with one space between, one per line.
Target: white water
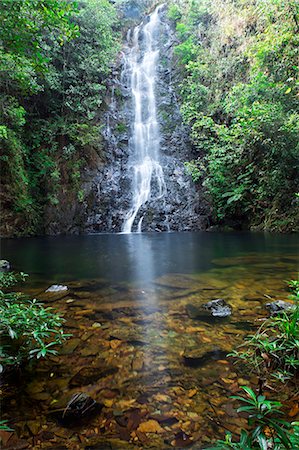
148 178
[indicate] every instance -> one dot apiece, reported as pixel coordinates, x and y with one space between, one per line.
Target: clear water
127 308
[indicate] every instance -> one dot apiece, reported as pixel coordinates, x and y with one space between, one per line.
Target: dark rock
198 357
51 297
4 265
89 375
279 306
215 309
79 407
182 440
164 419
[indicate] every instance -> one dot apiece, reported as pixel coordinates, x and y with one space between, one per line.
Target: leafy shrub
267 430
239 95
27 329
274 349
174 12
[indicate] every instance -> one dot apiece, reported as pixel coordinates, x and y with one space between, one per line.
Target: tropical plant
27 329
274 349
238 90
266 429
4 426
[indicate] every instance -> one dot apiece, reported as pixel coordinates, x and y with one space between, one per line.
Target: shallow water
162 376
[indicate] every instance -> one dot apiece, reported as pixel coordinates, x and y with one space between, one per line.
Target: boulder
215 309
4 265
279 306
80 406
57 288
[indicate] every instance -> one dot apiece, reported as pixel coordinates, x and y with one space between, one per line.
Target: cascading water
140 66
145 144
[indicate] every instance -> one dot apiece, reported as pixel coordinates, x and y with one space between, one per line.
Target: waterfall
140 67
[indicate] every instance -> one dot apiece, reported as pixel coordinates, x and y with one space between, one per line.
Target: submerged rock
214 309
4 265
70 346
57 288
198 357
89 375
279 306
80 406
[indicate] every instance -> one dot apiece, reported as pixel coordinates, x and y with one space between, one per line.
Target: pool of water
160 374
136 257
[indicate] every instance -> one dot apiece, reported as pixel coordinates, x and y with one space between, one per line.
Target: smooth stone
200 356
215 309
70 346
57 288
80 406
89 375
4 265
279 306
51 297
91 350
34 426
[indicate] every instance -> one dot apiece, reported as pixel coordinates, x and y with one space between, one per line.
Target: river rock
89 375
215 309
197 357
70 346
4 265
57 288
79 406
279 306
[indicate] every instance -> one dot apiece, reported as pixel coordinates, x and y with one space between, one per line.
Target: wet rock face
107 185
183 207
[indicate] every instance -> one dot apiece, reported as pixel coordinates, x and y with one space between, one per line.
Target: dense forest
239 94
237 81
55 59
132 127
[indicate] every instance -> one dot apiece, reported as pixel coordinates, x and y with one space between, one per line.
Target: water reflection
140 251
116 257
128 308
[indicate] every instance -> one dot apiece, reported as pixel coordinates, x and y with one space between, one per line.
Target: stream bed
159 373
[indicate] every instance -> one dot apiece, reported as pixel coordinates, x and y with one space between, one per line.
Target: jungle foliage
55 56
28 330
239 91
